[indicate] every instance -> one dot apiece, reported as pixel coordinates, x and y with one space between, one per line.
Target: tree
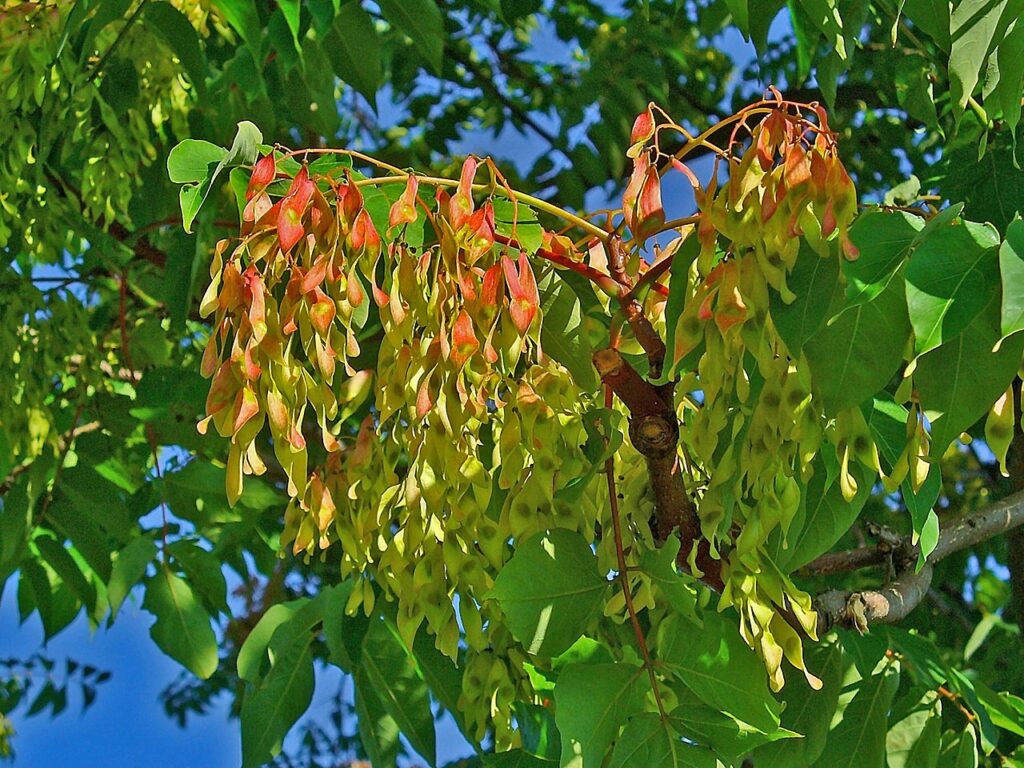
640 486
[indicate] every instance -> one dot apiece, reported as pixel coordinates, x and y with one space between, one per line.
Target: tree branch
858 609
654 432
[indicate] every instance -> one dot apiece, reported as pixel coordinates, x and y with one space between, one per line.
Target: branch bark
654 432
858 609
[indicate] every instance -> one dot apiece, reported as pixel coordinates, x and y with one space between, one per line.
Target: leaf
128 570
951 278
824 516
537 730
972 26
353 47
550 591
253 653
592 701
807 711
855 355
885 239
290 9
1011 268
727 736
281 698
421 20
182 628
203 569
646 741
64 565
992 187
659 565
958 381
242 15
814 280
858 739
172 25
377 729
190 160
913 740
393 673
719 668
516 758
562 333
343 634
189 163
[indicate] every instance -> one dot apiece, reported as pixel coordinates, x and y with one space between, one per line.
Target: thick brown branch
654 432
859 609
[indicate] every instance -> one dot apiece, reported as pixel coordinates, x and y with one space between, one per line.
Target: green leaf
392 671
719 668
972 25
528 232
814 280
913 740
353 47
342 633
727 736
190 160
516 758
442 677
885 239
951 278
1011 268
823 517
959 751
182 628
377 729
283 695
659 565
203 569
290 9
129 568
646 741
421 20
959 381
858 739
992 187
64 565
538 731
855 355
252 654
550 591
243 16
171 24
807 711
921 505
592 701
562 332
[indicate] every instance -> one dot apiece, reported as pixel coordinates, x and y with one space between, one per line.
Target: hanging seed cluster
472 432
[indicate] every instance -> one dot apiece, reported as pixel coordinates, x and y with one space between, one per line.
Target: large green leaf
719 668
243 16
823 517
913 737
562 333
182 628
649 741
884 239
859 350
723 733
659 565
64 565
952 277
353 47
280 699
204 571
958 381
992 187
973 29
550 590
1011 267
516 758
814 280
858 739
171 24
378 731
128 570
252 654
392 671
592 701
807 711
421 20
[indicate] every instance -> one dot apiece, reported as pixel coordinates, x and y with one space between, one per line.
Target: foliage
580 480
